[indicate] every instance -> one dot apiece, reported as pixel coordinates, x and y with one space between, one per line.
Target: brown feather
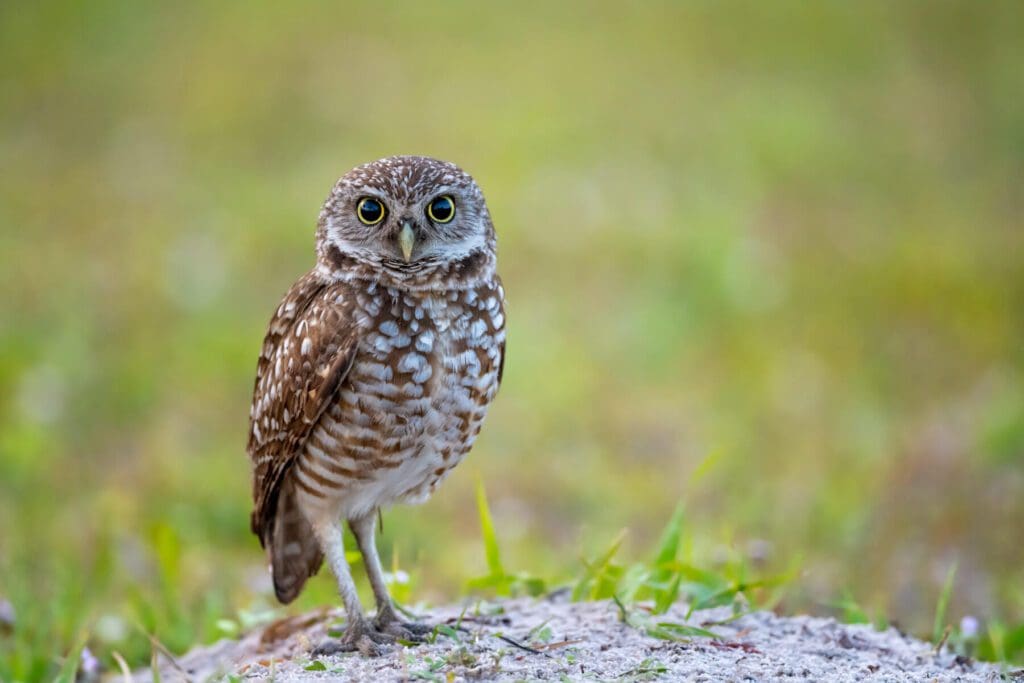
308 350
294 550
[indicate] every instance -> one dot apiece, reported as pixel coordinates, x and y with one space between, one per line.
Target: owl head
404 218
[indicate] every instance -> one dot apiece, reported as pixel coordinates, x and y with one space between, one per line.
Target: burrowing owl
375 374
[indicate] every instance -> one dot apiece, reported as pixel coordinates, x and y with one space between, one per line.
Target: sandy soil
558 640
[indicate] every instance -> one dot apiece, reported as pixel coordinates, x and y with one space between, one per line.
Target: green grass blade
670 630
668 546
703 468
491 549
69 670
665 599
943 605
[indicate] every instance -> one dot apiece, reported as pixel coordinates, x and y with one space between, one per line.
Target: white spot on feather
425 342
477 329
412 362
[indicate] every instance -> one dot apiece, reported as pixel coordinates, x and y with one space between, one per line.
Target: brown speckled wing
309 348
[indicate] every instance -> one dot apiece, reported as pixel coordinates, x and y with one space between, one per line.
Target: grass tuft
497 580
642 591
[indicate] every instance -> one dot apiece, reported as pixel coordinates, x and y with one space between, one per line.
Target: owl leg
359 632
387 620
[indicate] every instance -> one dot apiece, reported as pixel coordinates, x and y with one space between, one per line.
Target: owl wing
501 312
308 350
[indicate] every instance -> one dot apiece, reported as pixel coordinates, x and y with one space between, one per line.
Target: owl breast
413 402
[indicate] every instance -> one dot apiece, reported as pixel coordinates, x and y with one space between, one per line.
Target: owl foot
388 622
407 631
361 637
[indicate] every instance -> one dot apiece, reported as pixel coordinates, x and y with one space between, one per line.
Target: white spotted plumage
425 420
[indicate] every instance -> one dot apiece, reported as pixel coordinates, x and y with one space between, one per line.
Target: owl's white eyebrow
443 190
373 192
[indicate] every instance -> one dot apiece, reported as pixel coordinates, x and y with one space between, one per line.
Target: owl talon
412 632
360 637
418 628
389 622
331 646
373 645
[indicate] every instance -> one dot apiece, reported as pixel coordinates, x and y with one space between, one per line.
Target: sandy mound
554 639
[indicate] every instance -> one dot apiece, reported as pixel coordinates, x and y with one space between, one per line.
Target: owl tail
294 551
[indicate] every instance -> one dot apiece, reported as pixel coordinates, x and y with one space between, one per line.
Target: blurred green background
766 262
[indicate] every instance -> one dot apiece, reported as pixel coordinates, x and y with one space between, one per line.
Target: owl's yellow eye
441 209
370 211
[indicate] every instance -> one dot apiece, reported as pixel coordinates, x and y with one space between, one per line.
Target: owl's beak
406 239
